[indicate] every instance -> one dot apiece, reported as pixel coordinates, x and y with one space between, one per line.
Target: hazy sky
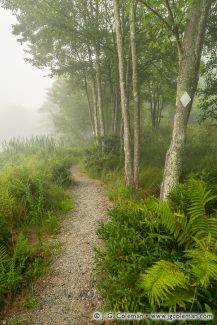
22 86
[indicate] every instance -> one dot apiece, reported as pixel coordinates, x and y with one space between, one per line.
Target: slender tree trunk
128 64
113 105
189 60
99 95
160 109
90 108
94 93
124 101
95 110
156 104
135 95
113 100
117 111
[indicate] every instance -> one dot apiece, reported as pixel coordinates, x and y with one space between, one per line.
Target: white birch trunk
189 60
124 100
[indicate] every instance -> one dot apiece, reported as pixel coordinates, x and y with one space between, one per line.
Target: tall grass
33 175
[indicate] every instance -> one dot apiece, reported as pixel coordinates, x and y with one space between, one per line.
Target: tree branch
170 10
173 29
157 14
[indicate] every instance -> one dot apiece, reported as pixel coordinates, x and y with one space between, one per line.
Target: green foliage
33 175
161 280
107 163
38 266
208 92
103 157
116 189
150 180
31 302
13 266
159 256
128 251
200 144
22 321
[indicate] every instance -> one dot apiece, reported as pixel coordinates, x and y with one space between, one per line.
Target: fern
165 283
180 298
185 228
3 257
4 265
162 279
167 216
203 265
17 264
200 196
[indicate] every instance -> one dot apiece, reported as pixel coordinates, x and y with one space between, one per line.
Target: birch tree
189 46
128 161
190 50
136 101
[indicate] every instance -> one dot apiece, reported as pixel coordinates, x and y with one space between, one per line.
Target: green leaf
161 280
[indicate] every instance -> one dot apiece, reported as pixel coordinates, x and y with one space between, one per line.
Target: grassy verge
34 176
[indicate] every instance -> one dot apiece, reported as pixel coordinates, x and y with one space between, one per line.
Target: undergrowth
33 177
162 257
159 257
105 160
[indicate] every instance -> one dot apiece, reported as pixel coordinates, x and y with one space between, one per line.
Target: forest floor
67 295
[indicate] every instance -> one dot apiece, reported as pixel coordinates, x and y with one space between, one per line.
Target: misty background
23 87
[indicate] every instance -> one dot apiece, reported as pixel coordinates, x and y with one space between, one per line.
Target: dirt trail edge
68 294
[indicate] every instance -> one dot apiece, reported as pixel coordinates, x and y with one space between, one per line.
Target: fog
22 86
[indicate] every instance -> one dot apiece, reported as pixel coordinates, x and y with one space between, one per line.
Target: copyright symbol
97 315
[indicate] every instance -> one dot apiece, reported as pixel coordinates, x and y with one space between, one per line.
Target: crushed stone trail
68 294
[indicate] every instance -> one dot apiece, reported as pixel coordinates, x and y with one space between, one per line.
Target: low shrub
103 157
159 257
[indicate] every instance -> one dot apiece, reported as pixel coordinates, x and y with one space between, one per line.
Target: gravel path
68 295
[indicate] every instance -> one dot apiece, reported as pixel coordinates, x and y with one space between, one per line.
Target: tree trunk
135 95
94 93
124 100
189 63
156 104
99 96
95 110
90 109
113 100
117 112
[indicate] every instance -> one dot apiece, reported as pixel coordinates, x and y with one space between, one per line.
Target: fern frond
4 266
166 216
21 249
185 236
17 263
3 254
204 265
179 299
161 280
200 196
199 224
4 258
202 227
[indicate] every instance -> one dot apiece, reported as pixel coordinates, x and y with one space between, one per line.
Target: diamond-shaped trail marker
185 99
